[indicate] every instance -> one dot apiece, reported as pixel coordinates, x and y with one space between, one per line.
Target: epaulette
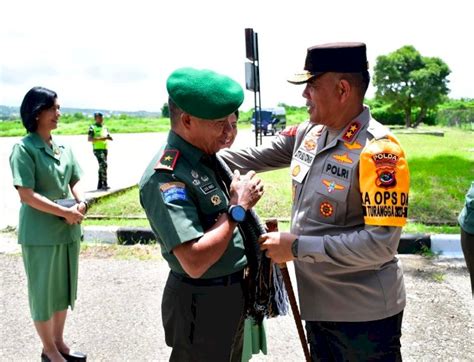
350 133
377 130
168 160
290 131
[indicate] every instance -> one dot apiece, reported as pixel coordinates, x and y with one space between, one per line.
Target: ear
344 90
185 120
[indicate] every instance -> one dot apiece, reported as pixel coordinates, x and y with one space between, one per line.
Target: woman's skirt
51 272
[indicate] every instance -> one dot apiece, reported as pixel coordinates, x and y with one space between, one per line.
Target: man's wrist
294 247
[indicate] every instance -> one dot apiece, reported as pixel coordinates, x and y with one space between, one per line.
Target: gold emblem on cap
216 200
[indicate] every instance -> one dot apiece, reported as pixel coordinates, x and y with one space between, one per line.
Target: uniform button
64 194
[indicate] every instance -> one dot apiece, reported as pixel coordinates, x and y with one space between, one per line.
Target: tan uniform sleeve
374 245
263 158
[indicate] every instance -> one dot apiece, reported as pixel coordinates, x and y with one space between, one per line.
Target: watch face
238 213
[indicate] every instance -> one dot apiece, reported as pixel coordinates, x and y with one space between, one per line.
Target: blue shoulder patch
172 191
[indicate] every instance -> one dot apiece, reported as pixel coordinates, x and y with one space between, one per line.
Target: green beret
203 93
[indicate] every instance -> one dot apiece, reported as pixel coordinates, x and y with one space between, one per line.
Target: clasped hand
75 214
246 190
277 246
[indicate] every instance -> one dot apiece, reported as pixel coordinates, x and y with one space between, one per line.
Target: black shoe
100 185
44 358
74 356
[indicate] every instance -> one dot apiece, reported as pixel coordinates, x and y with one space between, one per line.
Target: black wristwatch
294 248
236 212
85 203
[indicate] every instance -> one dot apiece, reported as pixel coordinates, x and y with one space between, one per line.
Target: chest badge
331 186
196 182
343 158
353 146
194 174
216 200
326 209
309 145
296 170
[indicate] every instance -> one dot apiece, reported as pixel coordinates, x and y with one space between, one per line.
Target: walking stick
272 225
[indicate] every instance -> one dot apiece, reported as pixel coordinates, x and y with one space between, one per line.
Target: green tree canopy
411 82
165 110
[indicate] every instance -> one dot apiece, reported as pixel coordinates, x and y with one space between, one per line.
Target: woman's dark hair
35 101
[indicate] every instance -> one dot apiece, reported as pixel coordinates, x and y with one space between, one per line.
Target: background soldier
99 135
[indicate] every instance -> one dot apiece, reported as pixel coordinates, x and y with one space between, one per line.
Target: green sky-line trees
411 82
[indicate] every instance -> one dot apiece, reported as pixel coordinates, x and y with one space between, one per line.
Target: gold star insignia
168 158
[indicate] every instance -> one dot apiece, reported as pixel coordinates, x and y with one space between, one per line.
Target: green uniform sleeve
22 166
170 209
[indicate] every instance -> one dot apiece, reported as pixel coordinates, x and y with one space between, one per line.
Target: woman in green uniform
45 174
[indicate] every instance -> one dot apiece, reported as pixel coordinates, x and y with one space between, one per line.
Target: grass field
70 126
441 169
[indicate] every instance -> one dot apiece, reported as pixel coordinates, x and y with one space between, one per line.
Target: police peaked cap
332 57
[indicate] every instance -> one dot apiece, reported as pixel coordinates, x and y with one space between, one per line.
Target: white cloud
118 54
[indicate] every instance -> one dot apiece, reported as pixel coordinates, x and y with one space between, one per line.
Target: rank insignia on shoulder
351 132
168 160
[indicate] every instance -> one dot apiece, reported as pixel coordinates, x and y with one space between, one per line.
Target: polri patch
336 170
172 191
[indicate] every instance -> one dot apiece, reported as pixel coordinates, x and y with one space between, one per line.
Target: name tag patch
303 158
208 188
173 191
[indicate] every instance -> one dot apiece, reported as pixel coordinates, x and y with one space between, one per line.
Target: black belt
218 281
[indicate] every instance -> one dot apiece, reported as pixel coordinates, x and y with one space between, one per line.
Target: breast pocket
212 202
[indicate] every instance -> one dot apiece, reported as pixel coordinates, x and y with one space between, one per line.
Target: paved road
129 154
118 318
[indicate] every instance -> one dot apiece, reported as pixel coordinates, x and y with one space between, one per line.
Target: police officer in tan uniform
195 219
350 185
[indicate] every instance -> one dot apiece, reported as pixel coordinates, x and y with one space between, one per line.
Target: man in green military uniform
99 135
195 218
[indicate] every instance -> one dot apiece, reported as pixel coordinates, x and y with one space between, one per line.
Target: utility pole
252 79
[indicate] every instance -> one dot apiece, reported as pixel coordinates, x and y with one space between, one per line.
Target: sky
118 54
